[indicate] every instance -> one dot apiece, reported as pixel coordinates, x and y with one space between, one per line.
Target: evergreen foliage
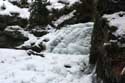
39 13
24 4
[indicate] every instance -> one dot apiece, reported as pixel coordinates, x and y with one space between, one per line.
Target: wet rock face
108 41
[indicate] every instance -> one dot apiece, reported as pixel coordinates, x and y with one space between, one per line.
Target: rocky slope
16 13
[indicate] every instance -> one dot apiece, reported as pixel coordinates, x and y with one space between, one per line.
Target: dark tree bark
110 59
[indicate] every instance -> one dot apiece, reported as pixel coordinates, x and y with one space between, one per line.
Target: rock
15 32
26 47
46 40
2 26
12 37
67 66
6 20
84 13
42 46
3 40
39 33
8 42
22 3
36 49
30 52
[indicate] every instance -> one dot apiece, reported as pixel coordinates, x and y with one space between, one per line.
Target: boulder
6 20
39 33
38 48
11 37
15 32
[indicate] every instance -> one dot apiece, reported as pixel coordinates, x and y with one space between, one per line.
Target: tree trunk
110 58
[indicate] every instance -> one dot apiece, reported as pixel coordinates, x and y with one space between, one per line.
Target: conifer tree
23 3
38 13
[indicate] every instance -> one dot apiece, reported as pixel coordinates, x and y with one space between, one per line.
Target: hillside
62 41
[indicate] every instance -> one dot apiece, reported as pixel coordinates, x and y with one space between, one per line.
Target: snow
17 67
10 8
63 18
55 4
29 1
32 39
66 57
24 12
72 39
117 20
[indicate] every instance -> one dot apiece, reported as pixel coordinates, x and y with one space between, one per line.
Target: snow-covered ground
17 67
58 66
66 54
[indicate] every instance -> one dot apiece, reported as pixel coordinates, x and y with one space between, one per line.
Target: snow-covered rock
7 8
116 23
61 12
56 4
63 18
117 20
16 36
